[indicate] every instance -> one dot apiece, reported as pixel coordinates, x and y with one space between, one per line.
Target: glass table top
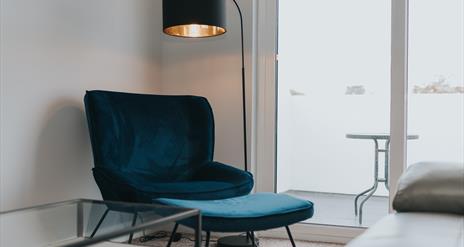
380 136
72 223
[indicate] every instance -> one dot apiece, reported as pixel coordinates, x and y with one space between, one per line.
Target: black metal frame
172 234
252 236
290 236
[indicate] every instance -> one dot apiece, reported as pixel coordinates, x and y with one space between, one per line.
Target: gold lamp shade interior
194 31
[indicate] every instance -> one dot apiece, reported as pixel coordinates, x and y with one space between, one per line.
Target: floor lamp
202 19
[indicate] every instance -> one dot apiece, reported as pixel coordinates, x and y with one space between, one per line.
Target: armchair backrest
162 137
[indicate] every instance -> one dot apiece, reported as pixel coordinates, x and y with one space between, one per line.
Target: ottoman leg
253 239
172 235
208 236
290 236
134 220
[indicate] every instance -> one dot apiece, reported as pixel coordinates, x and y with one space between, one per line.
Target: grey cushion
431 187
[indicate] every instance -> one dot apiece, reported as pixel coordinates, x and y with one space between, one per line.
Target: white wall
51 52
211 68
54 50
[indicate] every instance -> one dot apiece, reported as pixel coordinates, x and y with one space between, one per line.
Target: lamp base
236 241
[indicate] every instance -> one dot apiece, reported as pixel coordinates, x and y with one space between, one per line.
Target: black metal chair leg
99 223
134 220
253 239
208 236
290 236
172 235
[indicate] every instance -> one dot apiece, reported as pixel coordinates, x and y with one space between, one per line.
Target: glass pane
78 221
334 80
436 80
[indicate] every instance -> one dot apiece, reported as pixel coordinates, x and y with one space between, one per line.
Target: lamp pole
244 110
241 241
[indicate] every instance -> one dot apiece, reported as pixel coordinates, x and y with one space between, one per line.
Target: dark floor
338 209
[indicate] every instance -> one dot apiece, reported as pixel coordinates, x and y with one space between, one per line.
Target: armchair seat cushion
213 181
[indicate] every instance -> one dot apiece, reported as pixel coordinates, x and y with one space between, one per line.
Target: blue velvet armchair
152 146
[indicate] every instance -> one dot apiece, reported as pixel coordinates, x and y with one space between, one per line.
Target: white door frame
399 92
264 141
266 95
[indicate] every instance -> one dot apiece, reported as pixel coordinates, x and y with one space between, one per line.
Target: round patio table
386 150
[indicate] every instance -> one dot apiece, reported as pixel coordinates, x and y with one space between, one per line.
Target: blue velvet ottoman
254 212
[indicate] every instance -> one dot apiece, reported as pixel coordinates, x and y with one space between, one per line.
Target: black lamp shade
194 18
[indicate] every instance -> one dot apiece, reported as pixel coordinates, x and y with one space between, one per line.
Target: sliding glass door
335 67
436 80
334 106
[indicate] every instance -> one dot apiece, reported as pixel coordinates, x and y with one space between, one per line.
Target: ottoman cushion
254 212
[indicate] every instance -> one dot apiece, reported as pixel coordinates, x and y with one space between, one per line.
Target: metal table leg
364 201
387 164
358 196
80 220
376 182
386 178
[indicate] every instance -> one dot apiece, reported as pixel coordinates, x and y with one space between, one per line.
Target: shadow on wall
64 159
